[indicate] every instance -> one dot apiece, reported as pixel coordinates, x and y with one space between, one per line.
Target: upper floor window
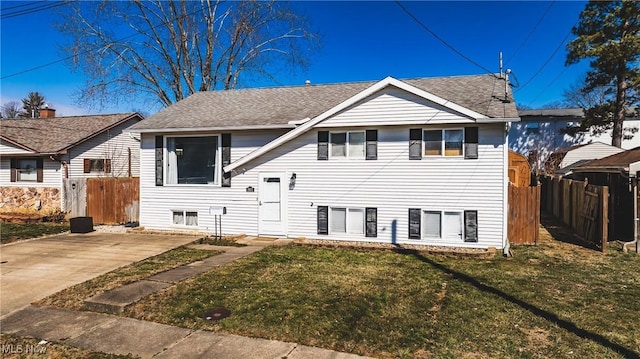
347 144
444 142
193 160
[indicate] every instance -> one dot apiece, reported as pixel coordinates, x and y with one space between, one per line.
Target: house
562 162
36 155
539 134
620 172
420 161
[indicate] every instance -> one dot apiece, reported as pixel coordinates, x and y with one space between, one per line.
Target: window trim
363 228
165 161
443 142
347 145
443 234
184 217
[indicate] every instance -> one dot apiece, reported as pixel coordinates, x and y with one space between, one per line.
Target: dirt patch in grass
12 232
540 303
73 297
213 241
14 347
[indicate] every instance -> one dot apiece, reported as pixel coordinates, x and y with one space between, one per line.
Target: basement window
185 218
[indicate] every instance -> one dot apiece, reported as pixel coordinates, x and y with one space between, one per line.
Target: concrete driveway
34 269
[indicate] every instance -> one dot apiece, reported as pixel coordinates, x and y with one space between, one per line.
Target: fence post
604 216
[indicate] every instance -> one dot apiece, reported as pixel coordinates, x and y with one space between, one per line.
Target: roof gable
371 90
56 134
618 161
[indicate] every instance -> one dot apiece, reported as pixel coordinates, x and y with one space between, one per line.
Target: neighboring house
420 161
620 172
37 154
538 134
563 161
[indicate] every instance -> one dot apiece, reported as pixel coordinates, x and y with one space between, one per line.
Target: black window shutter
371 222
414 223
39 169
471 142
14 169
415 144
372 144
159 164
226 158
323 145
470 226
323 220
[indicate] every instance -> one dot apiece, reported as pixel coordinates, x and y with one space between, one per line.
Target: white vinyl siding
392 183
51 174
592 151
115 144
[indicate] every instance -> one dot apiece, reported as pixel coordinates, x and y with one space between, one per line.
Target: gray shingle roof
278 105
50 135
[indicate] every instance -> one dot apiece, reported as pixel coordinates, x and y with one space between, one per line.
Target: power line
33 10
546 62
548 85
17 6
441 39
530 32
94 48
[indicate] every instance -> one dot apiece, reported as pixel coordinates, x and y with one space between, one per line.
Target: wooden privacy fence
524 215
580 206
113 200
108 200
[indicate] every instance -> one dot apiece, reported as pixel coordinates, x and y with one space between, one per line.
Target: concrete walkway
118 335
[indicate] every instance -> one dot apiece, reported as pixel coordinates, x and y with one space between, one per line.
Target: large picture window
192 160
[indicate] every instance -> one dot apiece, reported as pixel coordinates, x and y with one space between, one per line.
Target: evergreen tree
32 104
608 33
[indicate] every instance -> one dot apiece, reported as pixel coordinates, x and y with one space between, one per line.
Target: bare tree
177 48
11 109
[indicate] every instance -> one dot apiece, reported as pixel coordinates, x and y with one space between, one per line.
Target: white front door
272 204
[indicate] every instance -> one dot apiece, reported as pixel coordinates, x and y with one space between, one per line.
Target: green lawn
554 300
11 232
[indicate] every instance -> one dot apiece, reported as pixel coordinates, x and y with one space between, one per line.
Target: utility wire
441 39
94 48
546 62
530 33
33 10
548 85
21 5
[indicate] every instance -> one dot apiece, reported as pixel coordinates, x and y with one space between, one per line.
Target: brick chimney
47 112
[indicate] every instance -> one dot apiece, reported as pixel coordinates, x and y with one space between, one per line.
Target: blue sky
361 40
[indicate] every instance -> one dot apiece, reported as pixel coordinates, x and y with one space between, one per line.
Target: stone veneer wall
29 199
